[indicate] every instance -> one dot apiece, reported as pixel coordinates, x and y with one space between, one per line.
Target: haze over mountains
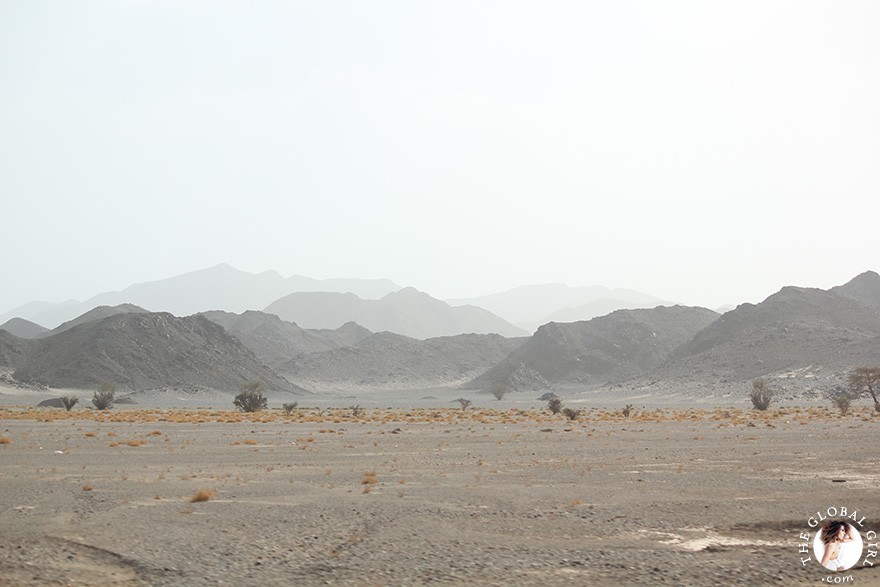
276 342
392 361
217 288
530 306
408 312
227 289
803 340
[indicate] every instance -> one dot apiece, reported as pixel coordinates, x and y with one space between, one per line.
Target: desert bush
499 390
571 413
356 411
627 411
842 399
865 380
465 403
202 495
288 408
68 401
251 398
761 394
103 398
554 405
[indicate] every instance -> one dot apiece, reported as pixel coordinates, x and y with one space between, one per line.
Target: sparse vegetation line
488 416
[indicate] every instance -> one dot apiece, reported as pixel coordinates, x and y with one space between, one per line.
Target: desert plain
430 495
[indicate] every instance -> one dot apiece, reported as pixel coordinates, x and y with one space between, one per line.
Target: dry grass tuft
91 434
5 440
369 478
135 443
250 441
203 495
87 487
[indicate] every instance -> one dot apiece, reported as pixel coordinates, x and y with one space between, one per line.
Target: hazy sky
703 152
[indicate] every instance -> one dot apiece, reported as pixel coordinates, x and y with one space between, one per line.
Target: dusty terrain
713 496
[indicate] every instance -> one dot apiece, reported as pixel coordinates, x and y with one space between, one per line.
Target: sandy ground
397 497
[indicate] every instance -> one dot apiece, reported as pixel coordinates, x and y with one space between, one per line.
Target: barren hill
96 314
864 288
593 309
23 328
811 331
391 361
408 312
621 344
275 342
13 350
146 351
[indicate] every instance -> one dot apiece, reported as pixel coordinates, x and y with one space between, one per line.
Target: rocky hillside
276 342
811 333
593 310
23 328
98 313
864 288
146 351
622 344
13 350
408 312
392 361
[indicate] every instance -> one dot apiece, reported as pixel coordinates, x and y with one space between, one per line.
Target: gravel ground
388 500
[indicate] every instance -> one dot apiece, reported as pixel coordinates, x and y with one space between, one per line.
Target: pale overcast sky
702 152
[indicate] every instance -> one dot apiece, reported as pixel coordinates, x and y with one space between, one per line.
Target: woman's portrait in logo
837 545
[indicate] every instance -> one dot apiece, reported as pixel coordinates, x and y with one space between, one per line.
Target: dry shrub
369 478
571 413
5 440
87 487
135 443
250 441
761 394
91 434
842 399
203 495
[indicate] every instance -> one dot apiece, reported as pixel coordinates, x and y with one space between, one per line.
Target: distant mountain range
218 288
408 312
803 340
532 305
